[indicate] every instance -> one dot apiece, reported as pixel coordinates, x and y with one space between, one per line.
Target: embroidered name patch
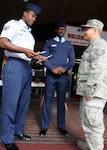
54 45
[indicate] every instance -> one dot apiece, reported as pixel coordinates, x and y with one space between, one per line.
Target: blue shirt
62 54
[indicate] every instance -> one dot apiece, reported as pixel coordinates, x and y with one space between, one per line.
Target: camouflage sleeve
98 65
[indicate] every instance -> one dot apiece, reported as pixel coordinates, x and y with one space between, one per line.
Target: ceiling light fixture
25 0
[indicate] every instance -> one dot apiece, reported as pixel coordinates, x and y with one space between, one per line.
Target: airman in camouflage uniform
92 86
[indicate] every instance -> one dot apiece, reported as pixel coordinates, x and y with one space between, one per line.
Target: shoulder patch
6 27
100 52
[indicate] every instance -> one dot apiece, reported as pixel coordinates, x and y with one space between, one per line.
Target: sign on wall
75 36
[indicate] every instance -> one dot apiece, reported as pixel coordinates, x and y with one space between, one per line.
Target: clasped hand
88 97
58 70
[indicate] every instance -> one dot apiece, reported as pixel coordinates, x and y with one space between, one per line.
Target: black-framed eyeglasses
83 29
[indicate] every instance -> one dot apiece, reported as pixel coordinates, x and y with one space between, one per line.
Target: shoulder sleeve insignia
6 27
100 52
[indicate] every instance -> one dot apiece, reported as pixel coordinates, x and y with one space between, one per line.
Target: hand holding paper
44 59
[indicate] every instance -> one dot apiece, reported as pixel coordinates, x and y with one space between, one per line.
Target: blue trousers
52 83
16 92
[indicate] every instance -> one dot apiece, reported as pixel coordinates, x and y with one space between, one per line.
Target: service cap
61 24
35 8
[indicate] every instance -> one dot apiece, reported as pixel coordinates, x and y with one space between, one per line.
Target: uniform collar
24 25
97 38
59 40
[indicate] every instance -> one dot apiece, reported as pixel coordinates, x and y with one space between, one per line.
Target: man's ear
24 13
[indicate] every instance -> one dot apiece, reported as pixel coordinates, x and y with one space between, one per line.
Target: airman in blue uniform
62 60
18 42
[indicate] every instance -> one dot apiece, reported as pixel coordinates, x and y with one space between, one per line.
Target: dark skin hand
58 70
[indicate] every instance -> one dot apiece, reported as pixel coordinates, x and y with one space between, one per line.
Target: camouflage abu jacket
92 72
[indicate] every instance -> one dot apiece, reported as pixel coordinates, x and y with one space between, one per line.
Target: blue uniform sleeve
47 64
62 55
71 59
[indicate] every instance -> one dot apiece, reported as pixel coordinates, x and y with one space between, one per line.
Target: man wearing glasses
92 86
